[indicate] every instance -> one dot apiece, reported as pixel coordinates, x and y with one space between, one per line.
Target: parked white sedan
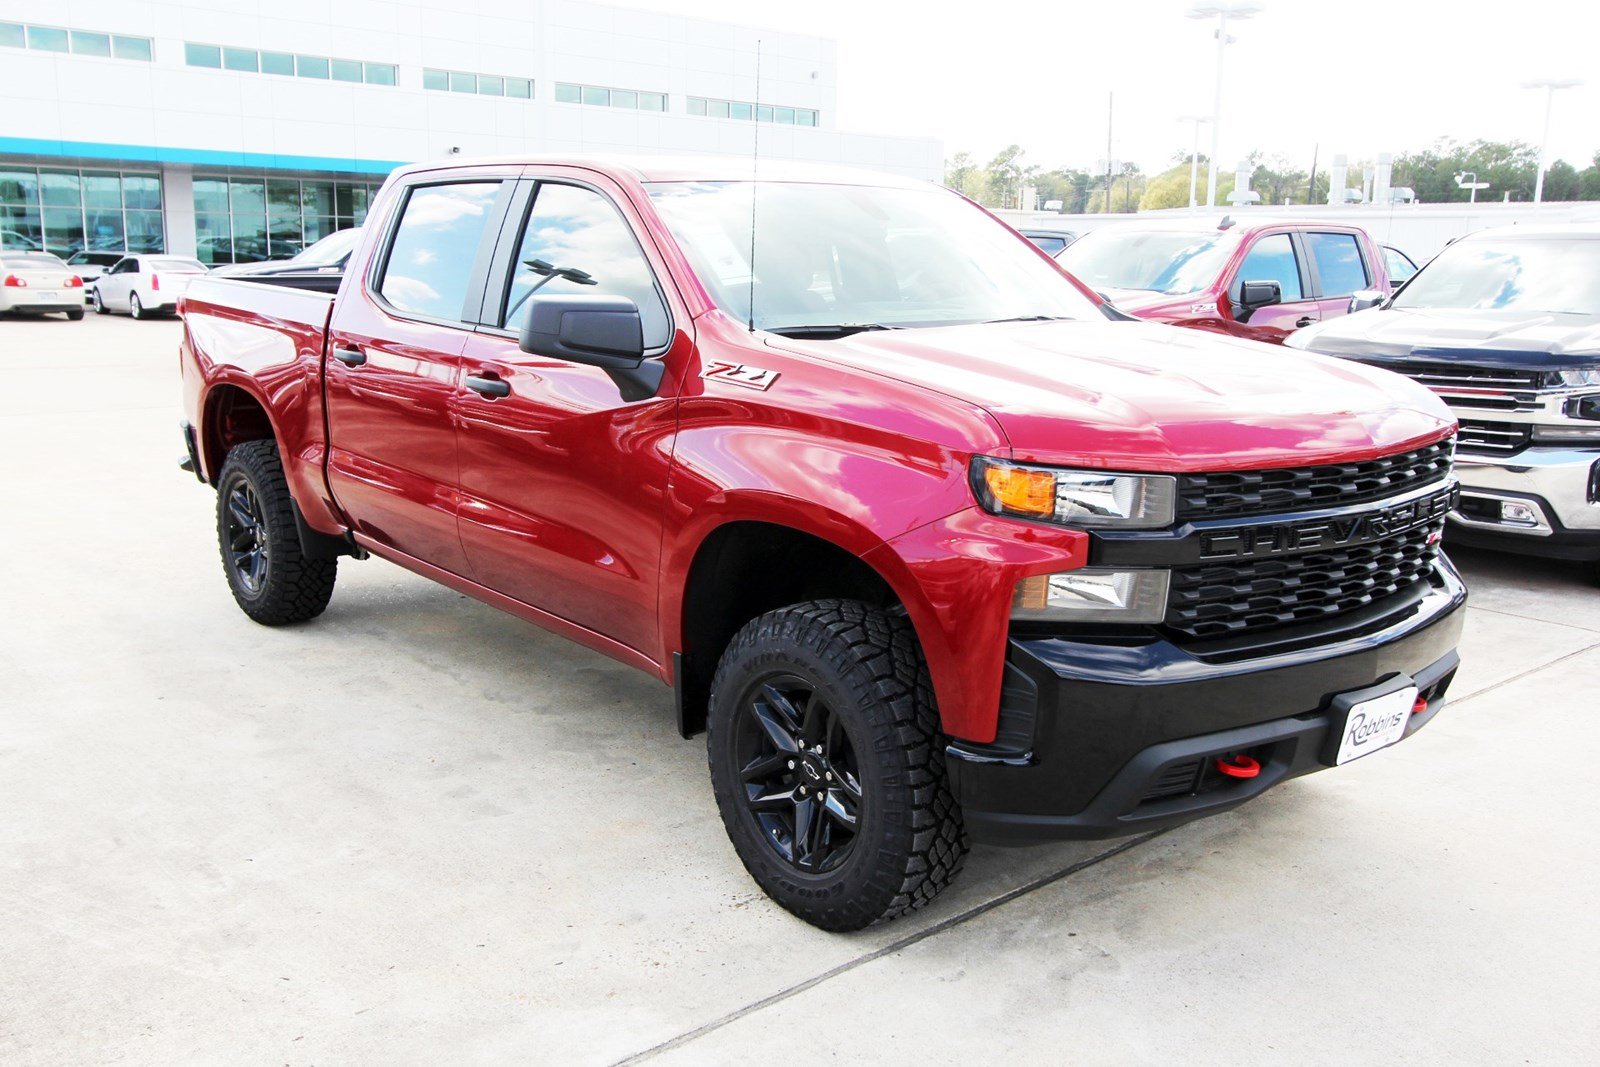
144 285
39 283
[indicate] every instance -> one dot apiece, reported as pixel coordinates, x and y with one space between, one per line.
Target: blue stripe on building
31 146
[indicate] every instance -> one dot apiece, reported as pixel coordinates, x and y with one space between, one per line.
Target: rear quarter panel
269 341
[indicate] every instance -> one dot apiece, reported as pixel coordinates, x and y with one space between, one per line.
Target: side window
1340 267
575 241
1399 264
430 260
1272 259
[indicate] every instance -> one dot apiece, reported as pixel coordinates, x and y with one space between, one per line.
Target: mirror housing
600 331
1366 298
1256 295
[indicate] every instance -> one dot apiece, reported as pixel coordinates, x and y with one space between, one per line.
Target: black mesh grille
1497 438
1246 596
1266 492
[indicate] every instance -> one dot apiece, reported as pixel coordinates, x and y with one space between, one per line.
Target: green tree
1508 167
965 176
1007 176
1561 182
1589 180
1170 188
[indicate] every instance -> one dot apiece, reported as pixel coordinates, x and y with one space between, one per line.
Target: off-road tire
868 667
290 587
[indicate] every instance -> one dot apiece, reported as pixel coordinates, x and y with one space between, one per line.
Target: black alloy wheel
247 537
802 783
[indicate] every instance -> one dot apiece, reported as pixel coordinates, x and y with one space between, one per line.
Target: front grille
1451 376
1248 596
1265 492
1496 438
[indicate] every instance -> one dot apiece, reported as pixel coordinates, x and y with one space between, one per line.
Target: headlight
1075 498
1578 378
1093 595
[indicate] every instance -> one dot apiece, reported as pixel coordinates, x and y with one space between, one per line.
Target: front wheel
828 767
98 304
272 580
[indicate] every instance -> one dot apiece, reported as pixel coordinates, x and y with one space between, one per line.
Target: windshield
332 249
1160 261
1514 274
851 255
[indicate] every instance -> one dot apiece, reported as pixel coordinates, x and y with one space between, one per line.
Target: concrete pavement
418 830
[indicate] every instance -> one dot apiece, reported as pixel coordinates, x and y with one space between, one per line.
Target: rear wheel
828 764
135 308
272 580
75 315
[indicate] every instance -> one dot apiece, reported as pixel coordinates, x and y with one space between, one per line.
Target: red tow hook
1238 766
1420 706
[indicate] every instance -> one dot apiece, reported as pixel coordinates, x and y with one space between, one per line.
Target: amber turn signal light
1022 490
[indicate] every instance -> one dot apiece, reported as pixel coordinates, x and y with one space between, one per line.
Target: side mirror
1256 295
1366 298
600 331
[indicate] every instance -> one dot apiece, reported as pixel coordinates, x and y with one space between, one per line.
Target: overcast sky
1351 76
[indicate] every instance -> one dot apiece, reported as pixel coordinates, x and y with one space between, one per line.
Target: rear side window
431 257
1340 267
576 242
1272 259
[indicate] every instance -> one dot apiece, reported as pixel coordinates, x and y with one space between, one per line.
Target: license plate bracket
1363 721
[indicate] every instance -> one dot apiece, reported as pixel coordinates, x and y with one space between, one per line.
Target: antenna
755 163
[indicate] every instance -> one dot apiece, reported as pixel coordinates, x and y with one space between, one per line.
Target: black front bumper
1103 739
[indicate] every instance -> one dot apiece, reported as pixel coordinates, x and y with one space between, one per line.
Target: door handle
488 385
1303 321
350 357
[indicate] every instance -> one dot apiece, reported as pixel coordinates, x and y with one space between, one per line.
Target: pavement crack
892 947
1457 701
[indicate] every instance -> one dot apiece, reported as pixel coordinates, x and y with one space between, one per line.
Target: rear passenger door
1275 257
1339 268
562 480
394 361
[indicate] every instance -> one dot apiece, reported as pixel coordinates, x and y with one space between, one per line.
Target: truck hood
1152 305
1486 338
1139 396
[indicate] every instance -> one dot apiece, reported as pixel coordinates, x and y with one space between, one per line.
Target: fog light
1093 595
1518 514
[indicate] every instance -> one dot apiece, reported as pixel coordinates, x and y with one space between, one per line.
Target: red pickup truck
1261 280
931 544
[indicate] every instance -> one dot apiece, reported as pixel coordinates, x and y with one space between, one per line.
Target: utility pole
1110 101
1194 157
1220 12
1549 85
1311 189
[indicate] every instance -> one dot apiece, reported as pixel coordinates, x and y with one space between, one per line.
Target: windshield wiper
1025 318
844 329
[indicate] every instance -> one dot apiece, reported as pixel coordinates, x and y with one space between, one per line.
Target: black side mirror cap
1254 295
600 331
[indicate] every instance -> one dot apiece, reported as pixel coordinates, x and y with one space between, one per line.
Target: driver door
1274 257
562 480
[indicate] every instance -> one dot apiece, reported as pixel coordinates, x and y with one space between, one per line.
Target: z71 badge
740 374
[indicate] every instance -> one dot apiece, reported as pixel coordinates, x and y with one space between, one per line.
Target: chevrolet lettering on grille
1251 542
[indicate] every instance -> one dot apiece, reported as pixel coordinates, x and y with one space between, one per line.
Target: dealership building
237 130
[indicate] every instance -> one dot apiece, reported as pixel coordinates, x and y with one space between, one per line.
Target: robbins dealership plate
1376 723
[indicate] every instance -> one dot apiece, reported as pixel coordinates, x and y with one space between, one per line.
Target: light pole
1222 13
1549 85
1194 157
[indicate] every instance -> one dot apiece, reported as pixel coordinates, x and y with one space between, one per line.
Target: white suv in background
143 285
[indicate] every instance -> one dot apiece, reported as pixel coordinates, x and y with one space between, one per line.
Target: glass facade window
600 96
735 109
465 81
91 44
47 39
202 55
246 219
63 211
277 63
138 48
250 61
78 42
